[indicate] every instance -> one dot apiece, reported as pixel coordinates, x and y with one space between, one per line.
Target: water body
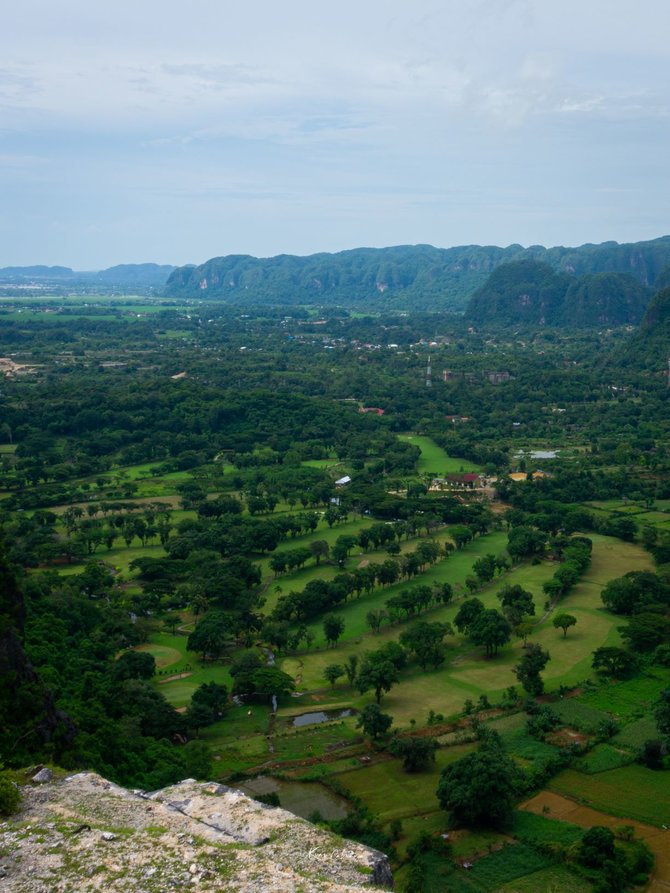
308 719
300 797
538 454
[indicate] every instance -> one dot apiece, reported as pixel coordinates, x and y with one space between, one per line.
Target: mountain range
609 283
402 277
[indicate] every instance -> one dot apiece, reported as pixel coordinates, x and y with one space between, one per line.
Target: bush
651 754
542 723
10 796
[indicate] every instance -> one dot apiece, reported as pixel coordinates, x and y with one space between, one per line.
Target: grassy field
467 673
434 460
556 879
173 660
392 793
632 699
321 463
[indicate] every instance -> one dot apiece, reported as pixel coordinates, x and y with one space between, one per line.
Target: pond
300 797
538 454
308 719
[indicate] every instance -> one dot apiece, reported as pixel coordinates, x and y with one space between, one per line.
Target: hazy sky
166 131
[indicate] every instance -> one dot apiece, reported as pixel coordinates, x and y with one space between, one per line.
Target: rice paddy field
628 792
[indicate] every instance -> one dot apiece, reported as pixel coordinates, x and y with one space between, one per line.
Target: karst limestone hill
84 833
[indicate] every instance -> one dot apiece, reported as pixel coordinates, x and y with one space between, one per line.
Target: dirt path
657 840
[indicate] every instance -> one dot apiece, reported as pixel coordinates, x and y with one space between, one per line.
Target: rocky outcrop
85 833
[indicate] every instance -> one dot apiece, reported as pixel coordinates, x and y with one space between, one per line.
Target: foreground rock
84 833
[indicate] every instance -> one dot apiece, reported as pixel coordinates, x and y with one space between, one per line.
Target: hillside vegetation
405 276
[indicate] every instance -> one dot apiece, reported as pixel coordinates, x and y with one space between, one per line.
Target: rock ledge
86 834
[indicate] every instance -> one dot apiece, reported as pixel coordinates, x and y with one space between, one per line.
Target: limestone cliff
86 834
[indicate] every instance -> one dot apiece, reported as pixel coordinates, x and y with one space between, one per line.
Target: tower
429 375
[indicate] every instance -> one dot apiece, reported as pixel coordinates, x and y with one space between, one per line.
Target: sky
172 132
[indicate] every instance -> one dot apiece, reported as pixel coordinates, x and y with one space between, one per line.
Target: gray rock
189 841
43 776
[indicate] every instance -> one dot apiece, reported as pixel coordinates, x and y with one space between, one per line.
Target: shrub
651 754
10 796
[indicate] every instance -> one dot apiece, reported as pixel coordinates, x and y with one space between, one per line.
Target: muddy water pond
308 719
299 797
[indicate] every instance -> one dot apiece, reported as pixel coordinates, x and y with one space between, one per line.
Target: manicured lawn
453 570
178 691
467 673
119 557
434 460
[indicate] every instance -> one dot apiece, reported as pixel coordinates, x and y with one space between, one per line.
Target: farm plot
387 790
629 792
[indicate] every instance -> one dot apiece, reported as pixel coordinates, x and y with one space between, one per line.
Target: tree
443 592
212 695
198 715
271 681
172 621
425 641
351 667
211 635
614 661
528 670
373 722
524 542
333 672
135 665
662 713
374 619
416 753
278 563
516 603
479 789
627 594
319 549
564 622
523 630
485 568
461 535
378 675
596 847
333 627
645 631
467 613
491 630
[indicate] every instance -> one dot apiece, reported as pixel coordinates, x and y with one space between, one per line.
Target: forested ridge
406 276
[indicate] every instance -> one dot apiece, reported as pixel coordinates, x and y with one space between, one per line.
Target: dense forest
449 543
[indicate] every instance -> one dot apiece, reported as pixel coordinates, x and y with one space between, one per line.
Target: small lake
309 719
300 797
538 454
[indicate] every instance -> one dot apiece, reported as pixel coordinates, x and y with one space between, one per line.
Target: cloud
217 75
